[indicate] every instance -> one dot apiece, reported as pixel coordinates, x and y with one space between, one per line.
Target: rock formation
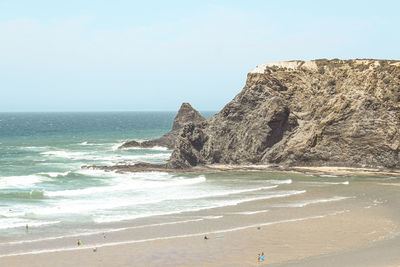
296 113
185 115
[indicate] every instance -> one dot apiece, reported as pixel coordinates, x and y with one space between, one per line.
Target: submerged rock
296 113
186 114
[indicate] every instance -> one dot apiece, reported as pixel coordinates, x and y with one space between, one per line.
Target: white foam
65 154
288 181
211 217
35 148
90 144
328 183
8 223
312 201
251 212
127 185
225 193
345 182
116 146
55 174
119 158
23 181
156 148
117 218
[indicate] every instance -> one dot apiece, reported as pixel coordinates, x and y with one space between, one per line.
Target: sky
132 55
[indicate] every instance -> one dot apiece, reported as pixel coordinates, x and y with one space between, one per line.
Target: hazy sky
152 55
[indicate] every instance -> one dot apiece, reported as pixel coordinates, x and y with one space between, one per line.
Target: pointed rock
186 114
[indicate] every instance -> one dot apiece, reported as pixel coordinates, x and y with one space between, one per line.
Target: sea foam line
251 212
328 183
108 219
129 185
288 181
23 181
312 201
34 252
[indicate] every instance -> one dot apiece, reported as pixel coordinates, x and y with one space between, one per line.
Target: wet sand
292 240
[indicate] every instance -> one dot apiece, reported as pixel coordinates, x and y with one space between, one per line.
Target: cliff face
185 115
316 113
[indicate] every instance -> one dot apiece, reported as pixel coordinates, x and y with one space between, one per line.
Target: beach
336 218
296 216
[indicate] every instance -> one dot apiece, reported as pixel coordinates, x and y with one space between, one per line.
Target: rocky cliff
296 113
185 115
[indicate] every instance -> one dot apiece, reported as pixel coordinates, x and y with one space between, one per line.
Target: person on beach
205 237
79 243
26 228
258 257
262 256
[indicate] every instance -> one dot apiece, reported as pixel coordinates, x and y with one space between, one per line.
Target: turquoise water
41 155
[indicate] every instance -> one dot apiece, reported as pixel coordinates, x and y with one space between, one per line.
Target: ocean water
41 179
43 185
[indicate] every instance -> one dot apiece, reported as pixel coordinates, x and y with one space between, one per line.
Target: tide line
111 244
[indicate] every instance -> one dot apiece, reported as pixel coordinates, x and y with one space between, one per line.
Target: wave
345 182
156 148
134 158
251 212
125 186
288 181
35 148
328 183
65 154
10 223
117 145
55 174
79 206
117 218
90 144
225 193
23 181
312 201
118 158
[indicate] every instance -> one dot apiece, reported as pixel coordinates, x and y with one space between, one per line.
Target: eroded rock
186 114
316 113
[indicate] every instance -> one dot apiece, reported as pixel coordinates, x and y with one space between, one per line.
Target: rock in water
297 113
186 114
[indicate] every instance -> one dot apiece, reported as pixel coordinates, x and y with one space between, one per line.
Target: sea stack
186 114
297 113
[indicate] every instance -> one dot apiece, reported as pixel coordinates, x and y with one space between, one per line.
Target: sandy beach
356 231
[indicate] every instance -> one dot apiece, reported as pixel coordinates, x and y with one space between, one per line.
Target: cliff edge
315 113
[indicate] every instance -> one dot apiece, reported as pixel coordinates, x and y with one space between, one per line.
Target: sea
45 194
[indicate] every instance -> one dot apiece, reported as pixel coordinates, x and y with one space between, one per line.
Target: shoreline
297 220
302 236
216 168
282 242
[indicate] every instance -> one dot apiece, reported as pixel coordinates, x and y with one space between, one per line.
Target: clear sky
152 55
